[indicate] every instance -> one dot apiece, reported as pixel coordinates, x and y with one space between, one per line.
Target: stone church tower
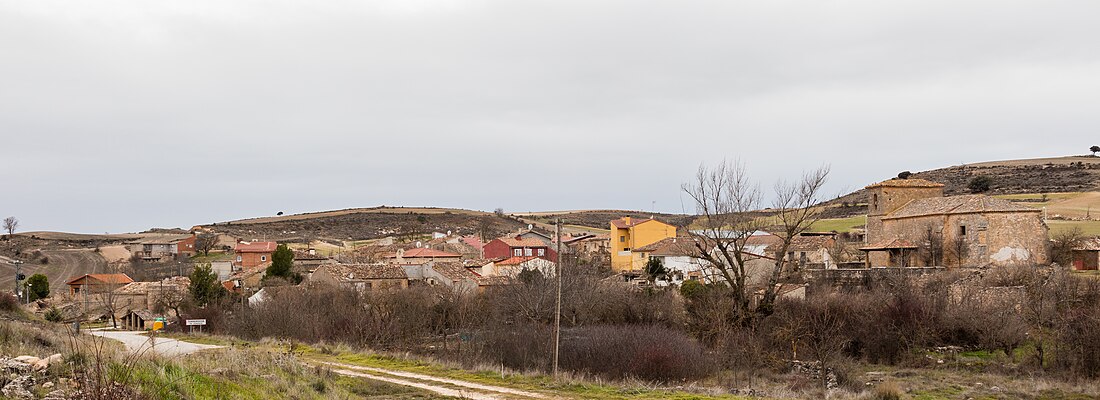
887 196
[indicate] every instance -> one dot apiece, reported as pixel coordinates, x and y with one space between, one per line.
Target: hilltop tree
205 287
1094 150
726 200
980 184
205 242
281 262
39 287
904 175
10 225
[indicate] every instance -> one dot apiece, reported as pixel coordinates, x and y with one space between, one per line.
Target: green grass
839 224
1089 228
536 383
219 256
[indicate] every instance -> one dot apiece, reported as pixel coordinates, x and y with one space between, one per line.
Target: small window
962 230
622 239
874 203
527 252
542 252
518 252
626 249
263 258
239 259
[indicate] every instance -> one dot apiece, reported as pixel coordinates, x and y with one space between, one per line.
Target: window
263 258
518 252
874 203
542 252
527 252
962 230
622 239
239 259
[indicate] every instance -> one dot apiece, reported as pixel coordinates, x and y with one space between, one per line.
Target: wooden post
557 315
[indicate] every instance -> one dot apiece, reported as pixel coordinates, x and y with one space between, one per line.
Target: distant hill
1010 177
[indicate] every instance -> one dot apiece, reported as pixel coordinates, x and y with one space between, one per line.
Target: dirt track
63 265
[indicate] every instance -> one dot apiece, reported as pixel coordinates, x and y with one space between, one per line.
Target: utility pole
18 277
557 315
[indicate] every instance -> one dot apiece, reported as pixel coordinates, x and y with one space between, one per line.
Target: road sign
196 322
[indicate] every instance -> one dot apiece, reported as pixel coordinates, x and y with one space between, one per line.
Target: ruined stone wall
1000 239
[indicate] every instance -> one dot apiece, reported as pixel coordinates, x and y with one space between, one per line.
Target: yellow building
630 233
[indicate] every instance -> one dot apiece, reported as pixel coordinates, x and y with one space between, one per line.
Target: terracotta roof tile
517 242
354 272
105 278
453 271
515 260
968 204
256 247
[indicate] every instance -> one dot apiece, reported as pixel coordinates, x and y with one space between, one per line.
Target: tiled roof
353 272
424 252
496 280
473 241
1091 244
674 246
627 222
906 183
453 271
476 262
515 260
174 283
811 243
517 242
256 247
890 244
968 204
303 255
105 278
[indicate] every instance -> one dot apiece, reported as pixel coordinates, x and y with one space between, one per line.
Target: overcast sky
124 115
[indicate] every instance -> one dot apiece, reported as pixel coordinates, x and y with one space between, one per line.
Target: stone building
911 224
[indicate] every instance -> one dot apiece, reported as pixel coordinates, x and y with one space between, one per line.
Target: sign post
192 323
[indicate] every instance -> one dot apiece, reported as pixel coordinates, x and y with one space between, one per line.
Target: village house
161 246
513 266
680 258
97 283
911 224
245 280
362 277
307 261
141 320
532 234
254 254
146 295
1086 256
516 246
629 233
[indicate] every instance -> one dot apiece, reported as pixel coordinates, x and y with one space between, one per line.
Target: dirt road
138 342
63 265
444 386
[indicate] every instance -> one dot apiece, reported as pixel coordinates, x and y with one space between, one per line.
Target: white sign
194 322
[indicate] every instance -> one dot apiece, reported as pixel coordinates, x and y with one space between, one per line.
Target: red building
507 247
254 254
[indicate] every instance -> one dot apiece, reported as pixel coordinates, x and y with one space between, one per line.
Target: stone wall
996 238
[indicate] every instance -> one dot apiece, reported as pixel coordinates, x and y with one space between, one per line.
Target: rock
56 395
17 388
27 359
47 385
45 362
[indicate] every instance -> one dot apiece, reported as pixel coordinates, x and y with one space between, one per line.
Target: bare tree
173 298
725 200
931 247
107 296
795 209
10 225
205 242
1063 243
959 249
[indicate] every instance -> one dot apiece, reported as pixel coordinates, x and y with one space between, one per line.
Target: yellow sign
158 325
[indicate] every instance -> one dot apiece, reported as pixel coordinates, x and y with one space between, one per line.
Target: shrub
980 184
652 353
8 302
54 315
887 391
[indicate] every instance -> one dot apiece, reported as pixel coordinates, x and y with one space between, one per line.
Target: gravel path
138 342
443 386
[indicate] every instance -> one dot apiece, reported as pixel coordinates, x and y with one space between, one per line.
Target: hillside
1071 174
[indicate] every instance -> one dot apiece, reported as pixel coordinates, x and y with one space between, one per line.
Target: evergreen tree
205 287
39 286
281 262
